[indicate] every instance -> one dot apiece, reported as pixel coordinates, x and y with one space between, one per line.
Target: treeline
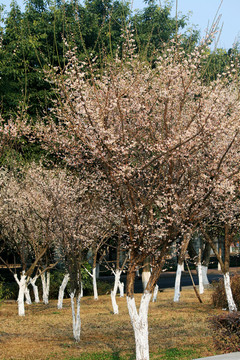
35 39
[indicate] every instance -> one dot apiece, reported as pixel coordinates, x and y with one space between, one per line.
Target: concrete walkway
232 356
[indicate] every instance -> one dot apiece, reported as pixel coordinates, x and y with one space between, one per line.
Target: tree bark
139 322
155 293
205 277
22 286
61 291
27 295
35 289
200 278
146 273
121 288
114 291
45 277
177 283
231 303
205 263
76 316
94 277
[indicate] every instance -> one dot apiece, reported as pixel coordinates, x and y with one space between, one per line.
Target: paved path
167 279
232 356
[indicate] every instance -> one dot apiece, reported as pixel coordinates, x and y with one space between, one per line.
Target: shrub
55 282
8 291
219 297
1 291
104 287
226 331
57 278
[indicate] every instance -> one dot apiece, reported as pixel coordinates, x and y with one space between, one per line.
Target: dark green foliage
104 287
155 26
8 290
226 331
33 41
218 62
1 291
219 297
57 278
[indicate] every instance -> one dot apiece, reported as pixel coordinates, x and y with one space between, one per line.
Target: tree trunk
22 286
95 291
140 324
177 283
35 289
76 316
205 263
231 304
81 292
114 291
27 296
114 303
61 291
204 275
121 288
45 277
145 277
146 273
200 278
155 293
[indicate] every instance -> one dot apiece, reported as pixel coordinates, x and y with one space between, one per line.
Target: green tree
11 61
34 40
155 26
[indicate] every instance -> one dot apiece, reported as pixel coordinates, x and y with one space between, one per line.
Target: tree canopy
34 40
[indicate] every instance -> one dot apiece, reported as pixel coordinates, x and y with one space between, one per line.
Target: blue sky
201 13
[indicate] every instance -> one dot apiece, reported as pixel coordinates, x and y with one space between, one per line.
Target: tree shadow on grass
115 355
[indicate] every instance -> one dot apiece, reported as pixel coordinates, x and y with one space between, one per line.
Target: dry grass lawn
46 333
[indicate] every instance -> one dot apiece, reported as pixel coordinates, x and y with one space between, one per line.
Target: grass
176 331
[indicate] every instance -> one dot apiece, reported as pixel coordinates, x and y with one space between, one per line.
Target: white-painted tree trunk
205 277
139 322
114 291
114 302
155 293
121 288
177 284
61 291
119 285
117 275
45 277
35 289
81 292
94 277
27 296
231 304
22 285
76 316
200 278
145 277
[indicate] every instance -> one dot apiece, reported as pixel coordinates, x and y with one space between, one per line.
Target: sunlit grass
176 331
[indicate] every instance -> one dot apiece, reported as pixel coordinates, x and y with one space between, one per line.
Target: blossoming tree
26 224
158 136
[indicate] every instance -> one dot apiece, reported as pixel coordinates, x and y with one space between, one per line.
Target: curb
231 356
